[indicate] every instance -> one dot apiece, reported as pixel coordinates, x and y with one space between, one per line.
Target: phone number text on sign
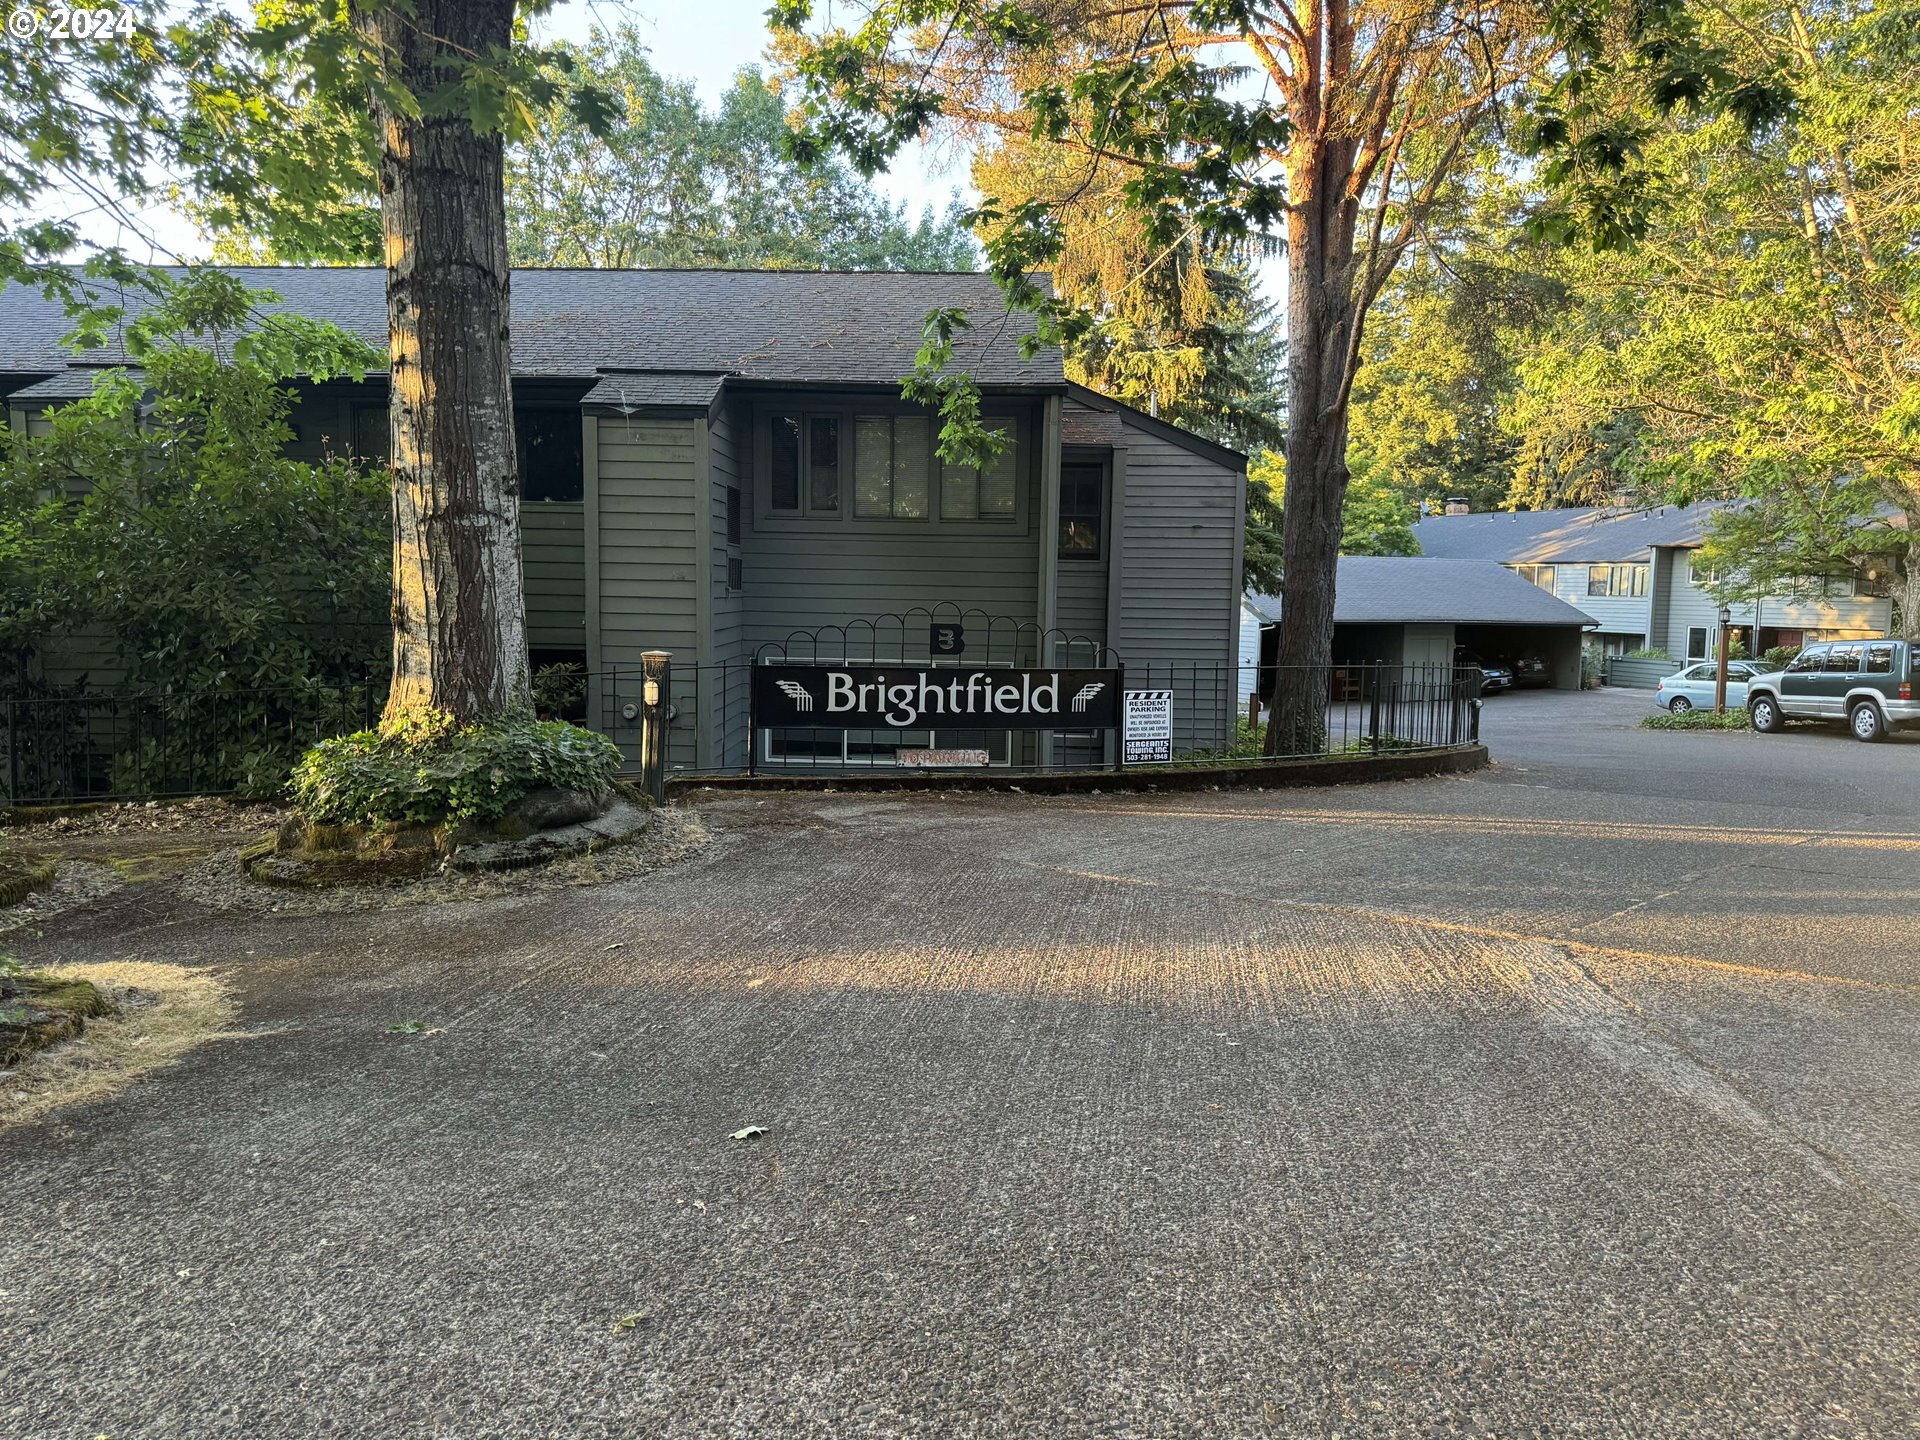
1149 728
62 23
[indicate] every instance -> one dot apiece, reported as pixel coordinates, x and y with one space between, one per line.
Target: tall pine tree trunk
1909 619
1321 314
459 617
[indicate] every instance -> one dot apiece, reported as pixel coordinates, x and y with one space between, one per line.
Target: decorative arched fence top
943 634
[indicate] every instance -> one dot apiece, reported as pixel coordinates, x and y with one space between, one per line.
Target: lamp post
1720 669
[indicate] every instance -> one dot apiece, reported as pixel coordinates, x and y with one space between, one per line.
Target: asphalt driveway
1576 1098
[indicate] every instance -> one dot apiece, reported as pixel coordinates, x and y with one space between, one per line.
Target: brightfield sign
921 697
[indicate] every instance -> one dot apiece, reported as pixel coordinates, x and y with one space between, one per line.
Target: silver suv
1870 684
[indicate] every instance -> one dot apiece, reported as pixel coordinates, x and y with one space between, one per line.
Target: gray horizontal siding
1082 605
1691 605
1629 615
724 684
648 561
805 574
1178 541
554 564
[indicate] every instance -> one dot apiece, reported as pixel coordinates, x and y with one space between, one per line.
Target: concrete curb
623 821
1237 775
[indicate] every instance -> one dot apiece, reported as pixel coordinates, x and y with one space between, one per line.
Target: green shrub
1248 743
240 595
1780 656
1364 746
1734 719
430 774
558 688
1647 652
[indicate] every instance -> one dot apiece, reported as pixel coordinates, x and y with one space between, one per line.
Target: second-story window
552 457
1618 582
805 456
892 463
1082 511
863 467
970 493
372 440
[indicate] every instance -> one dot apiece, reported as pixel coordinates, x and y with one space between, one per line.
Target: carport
1414 610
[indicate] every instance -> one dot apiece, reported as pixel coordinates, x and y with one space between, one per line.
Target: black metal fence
76 746
1211 708
67 745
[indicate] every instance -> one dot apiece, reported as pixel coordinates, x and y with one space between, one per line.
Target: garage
1416 610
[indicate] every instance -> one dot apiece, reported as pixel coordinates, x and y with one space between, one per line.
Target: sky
705 41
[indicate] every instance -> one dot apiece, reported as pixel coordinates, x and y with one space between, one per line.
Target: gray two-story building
1635 572
719 464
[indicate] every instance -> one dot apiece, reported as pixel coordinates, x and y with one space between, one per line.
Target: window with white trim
1617 581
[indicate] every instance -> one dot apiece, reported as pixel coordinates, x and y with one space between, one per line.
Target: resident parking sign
1149 732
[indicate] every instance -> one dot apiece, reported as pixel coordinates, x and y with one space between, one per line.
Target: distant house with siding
715 460
1635 573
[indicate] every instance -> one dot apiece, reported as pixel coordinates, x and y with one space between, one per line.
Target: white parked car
1692 688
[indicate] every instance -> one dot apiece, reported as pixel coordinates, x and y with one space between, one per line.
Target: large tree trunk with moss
459 617
1321 314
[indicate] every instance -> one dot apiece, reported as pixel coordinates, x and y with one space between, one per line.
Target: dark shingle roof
1589 534
795 327
1418 589
74 383
639 389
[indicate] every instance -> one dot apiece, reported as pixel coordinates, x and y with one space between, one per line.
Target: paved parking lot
1591 739
1575 1098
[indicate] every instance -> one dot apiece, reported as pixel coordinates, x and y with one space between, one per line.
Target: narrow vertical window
959 492
372 438
551 454
912 467
967 493
872 466
1081 488
785 491
823 464
997 485
733 514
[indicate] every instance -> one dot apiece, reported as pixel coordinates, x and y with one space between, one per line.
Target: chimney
1457 505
